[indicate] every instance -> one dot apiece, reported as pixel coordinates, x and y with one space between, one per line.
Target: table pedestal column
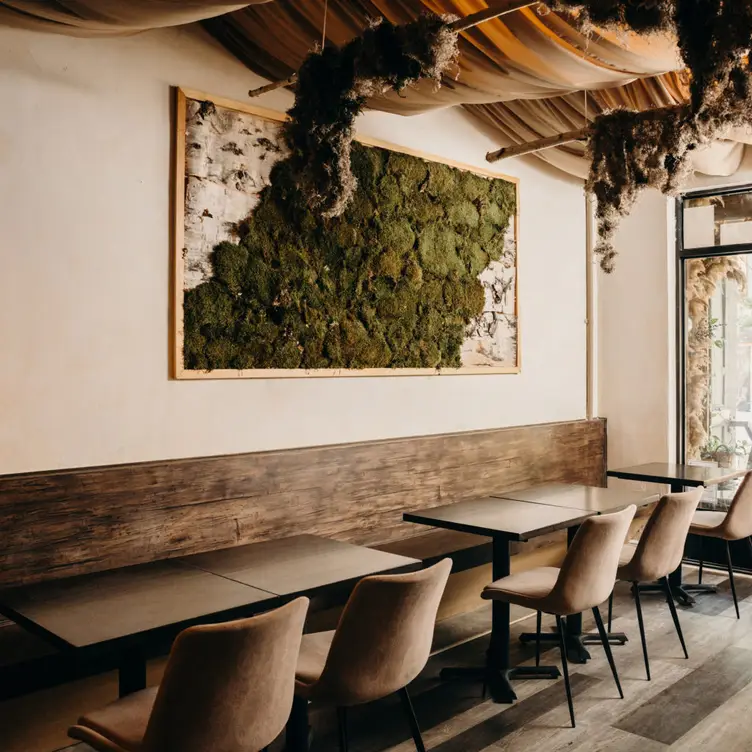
497 675
131 671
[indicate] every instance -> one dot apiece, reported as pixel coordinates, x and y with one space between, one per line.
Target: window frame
682 255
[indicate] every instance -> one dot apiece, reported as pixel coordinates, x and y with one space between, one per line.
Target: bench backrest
66 522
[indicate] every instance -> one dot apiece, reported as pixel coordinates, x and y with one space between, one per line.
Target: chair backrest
229 686
738 523
384 636
588 572
661 545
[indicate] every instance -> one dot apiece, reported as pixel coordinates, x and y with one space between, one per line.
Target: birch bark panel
228 158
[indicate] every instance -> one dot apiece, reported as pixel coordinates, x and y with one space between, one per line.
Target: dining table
504 521
133 610
678 477
595 499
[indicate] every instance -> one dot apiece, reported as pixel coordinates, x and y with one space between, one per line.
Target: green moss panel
390 284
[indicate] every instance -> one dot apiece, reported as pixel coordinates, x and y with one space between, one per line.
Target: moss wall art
419 271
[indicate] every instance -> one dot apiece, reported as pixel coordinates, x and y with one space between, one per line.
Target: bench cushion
465 550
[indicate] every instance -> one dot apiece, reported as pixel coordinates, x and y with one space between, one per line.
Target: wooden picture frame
177 369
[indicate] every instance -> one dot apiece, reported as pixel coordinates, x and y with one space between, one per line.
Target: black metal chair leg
537 638
610 609
297 727
412 720
674 614
702 557
342 725
565 667
638 605
731 578
607 647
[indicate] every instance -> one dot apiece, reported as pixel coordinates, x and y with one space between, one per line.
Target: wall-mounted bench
66 522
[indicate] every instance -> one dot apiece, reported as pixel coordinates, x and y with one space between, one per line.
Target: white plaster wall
636 342
84 263
636 318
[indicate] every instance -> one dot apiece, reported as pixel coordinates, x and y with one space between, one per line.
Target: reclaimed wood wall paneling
67 522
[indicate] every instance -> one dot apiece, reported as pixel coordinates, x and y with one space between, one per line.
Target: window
715 260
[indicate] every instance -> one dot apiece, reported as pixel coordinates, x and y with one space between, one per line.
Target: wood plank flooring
698 704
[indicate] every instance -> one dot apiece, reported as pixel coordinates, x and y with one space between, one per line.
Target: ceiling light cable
323 33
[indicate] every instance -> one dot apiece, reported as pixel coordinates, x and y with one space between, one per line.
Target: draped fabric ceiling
523 75
98 18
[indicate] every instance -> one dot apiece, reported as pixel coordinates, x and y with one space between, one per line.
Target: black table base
131 671
680 592
576 650
499 682
614 638
497 675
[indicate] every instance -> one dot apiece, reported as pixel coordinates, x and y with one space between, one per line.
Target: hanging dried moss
642 16
392 283
631 151
332 88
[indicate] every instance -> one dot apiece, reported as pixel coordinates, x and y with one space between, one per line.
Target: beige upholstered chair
658 553
381 644
227 687
586 579
734 525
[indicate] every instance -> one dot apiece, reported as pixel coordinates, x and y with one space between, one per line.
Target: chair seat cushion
122 722
625 560
314 650
706 522
627 553
523 588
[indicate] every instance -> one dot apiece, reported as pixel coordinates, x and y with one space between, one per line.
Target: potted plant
724 455
707 452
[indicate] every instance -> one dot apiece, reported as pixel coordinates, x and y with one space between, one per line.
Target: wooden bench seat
465 550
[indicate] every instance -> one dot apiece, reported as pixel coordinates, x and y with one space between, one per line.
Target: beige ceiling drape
88 18
522 75
524 55
527 120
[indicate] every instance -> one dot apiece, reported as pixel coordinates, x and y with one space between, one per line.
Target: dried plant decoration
631 151
641 16
333 86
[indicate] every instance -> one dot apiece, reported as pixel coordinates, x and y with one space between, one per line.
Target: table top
108 606
587 498
301 564
516 520
667 472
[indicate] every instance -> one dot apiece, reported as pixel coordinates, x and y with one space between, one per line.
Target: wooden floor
703 703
